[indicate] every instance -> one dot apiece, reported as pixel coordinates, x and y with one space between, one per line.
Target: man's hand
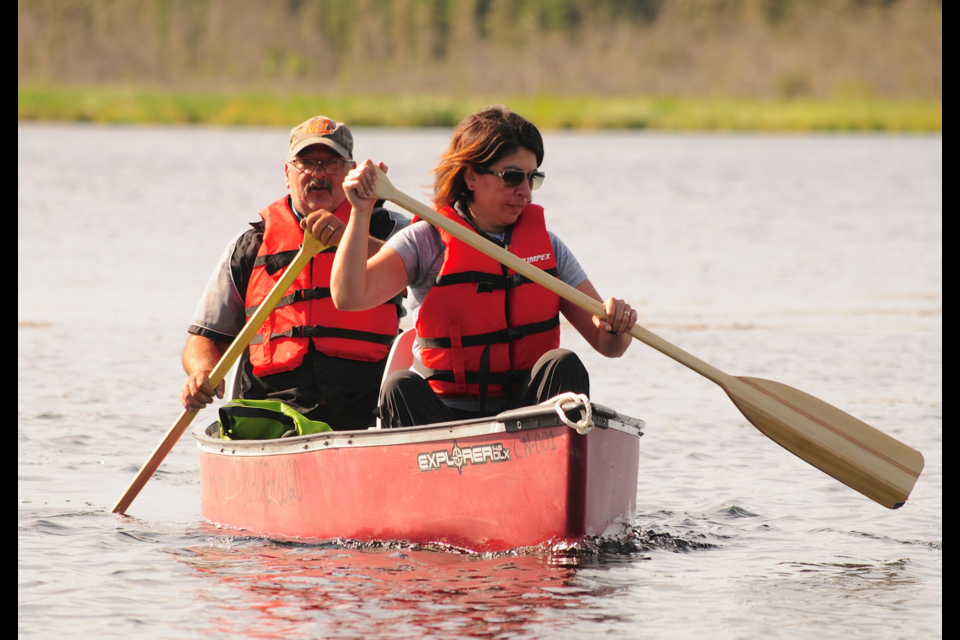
200 356
325 227
197 392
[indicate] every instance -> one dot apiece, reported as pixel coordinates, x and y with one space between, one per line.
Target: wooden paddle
311 246
853 452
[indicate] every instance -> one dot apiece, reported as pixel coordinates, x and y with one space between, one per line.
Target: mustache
317 183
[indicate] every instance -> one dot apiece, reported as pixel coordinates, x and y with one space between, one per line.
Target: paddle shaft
544 279
865 459
311 246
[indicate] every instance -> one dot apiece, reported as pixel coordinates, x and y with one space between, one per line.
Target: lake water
811 260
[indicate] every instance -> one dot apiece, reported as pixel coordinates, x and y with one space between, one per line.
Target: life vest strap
275 261
299 295
487 282
328 332
494 337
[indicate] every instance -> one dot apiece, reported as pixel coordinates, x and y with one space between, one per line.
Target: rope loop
585 424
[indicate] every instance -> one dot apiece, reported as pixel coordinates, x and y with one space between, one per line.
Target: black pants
340 392
406 399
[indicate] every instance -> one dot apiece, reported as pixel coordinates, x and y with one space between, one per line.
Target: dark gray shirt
220 315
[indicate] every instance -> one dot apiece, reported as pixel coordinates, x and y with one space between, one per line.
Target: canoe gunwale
515 420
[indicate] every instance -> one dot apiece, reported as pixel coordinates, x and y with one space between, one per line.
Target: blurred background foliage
440 56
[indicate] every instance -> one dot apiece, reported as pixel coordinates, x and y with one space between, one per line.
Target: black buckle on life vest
304 332
316 293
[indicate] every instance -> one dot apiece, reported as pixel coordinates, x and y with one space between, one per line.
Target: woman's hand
608 336
620 317
360 186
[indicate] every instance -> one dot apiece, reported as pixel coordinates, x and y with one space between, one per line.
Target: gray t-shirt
421 249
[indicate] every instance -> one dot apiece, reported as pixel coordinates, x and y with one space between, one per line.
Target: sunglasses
513 178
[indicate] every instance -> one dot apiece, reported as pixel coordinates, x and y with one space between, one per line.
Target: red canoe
520 479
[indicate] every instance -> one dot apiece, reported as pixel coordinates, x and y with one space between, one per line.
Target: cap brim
309 142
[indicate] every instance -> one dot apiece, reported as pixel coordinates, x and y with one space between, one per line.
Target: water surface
815 261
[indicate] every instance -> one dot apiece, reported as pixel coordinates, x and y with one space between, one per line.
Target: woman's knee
561 359
399 381
559 371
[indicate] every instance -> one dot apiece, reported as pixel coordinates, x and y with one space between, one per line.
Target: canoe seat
401 353
400 357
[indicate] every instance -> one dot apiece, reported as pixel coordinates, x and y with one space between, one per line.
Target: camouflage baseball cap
321 130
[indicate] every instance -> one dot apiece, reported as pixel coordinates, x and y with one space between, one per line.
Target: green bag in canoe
264 420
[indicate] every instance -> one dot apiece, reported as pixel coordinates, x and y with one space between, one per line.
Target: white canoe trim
513 421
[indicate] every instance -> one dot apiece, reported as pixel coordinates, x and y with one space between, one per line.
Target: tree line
737 48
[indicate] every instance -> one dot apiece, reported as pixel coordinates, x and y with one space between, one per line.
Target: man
325 363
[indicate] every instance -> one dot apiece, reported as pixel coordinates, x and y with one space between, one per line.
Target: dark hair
481 139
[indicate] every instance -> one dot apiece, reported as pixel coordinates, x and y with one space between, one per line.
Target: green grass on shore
118 105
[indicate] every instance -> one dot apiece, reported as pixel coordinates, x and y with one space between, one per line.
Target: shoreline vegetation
665 65
125 105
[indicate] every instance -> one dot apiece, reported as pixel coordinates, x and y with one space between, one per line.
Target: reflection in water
402 592
350 589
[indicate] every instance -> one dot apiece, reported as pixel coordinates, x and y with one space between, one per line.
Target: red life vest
306 312
482 326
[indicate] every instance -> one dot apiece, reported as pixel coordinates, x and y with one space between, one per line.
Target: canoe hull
472 485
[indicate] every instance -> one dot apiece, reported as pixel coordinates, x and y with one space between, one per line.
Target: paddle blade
850 450
153 462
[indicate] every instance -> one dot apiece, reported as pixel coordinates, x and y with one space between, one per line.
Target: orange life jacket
482 326
306 312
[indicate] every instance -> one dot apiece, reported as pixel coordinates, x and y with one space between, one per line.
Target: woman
486 341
